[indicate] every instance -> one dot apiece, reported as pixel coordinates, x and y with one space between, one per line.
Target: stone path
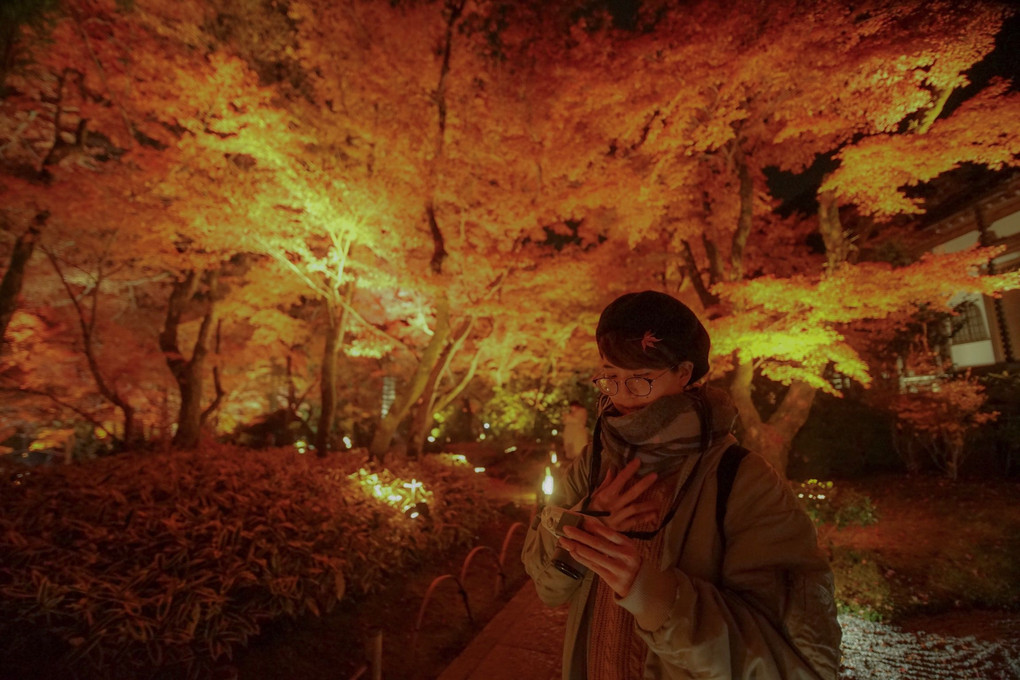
880 651
524 640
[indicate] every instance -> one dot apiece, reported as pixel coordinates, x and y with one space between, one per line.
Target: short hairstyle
652 330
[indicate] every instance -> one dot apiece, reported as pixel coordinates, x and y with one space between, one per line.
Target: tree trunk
423 412
789 418
189 417
14 277
431 402
327 384
773 438
188 373
837 247
217 385
746 219
405 400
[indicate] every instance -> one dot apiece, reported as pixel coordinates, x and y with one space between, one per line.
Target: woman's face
663 382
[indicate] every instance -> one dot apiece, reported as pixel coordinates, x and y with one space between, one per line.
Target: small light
479 469
485 425
393 498
510 450
821 496
800 495
555 432
481 437
431 439
547 483
347 442
552 457
419 509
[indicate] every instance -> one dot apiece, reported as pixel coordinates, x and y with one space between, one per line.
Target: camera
555 518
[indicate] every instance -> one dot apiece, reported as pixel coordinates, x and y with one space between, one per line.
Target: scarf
661 433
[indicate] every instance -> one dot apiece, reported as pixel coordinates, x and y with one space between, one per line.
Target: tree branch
745 220
14 277
691 265
87 329
102 75
71 407
715 268
220 393
455 391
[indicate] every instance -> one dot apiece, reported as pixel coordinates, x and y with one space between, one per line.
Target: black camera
554 519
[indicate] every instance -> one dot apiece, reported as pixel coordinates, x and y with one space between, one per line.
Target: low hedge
146 561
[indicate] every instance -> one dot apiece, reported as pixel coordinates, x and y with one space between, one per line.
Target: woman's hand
608 553
614 496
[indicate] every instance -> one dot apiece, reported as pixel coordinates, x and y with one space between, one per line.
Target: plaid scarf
663 435
660 433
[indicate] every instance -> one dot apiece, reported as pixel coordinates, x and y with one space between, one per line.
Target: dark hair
652 330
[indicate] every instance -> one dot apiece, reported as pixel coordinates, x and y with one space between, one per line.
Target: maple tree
418 97
449 192
709 116
130 155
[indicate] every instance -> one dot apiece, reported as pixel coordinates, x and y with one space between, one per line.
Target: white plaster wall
973 354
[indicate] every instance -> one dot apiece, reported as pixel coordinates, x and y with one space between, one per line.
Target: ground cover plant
335 645
173 560
920 546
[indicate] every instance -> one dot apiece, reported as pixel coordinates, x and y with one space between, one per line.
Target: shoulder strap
725 474
596 462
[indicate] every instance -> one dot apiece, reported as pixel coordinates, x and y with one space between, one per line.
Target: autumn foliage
214 211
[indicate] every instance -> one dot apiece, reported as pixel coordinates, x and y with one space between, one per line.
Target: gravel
879 651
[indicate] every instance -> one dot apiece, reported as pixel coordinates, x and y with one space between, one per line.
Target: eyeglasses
637 385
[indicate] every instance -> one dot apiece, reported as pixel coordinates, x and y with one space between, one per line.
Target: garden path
523 641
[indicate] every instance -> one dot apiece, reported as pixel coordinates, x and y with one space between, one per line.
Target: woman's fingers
596 535
638 488
608 553
610 474
634 514
617 495
628 471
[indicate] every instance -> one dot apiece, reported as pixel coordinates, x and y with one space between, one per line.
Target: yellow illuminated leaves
874 172
793 325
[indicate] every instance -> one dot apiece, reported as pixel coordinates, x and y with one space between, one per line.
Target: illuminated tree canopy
214 210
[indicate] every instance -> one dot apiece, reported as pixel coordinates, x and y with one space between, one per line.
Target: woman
667 578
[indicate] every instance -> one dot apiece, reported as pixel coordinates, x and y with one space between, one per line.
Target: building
987 333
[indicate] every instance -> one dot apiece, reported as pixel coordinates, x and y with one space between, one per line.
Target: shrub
842 507
940 420
861 588
143 561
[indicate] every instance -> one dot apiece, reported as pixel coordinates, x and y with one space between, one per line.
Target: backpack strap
725 474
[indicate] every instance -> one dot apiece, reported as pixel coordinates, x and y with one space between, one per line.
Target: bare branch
691 265
71 407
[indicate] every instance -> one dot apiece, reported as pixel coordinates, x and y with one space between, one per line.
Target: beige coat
703 615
